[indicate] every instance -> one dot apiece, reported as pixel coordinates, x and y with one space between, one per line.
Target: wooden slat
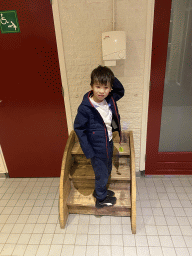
85 172
82 201
63 197
76 150
115 136
133 185
64 185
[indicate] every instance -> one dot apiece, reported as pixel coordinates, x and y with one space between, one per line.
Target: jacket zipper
104 123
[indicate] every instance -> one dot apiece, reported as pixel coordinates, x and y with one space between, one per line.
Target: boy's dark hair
102 75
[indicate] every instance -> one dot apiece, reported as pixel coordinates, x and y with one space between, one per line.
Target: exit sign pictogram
9 22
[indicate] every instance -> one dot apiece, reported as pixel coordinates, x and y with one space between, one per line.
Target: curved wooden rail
133 184
65 184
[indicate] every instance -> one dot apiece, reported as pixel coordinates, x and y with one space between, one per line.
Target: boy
96 119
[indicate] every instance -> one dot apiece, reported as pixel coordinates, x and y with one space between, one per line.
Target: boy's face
100 91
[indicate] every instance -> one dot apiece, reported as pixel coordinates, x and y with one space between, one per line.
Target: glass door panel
176 119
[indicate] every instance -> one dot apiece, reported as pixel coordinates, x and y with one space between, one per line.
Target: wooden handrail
65 185
133 184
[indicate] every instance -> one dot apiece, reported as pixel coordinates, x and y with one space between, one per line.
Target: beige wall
79 26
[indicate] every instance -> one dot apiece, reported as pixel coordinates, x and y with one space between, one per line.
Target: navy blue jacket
90 127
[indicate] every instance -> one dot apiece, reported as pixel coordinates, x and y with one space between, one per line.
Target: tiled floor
29 223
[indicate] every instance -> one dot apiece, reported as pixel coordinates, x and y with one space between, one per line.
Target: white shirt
106 114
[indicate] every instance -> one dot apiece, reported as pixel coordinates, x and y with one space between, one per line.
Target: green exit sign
9 22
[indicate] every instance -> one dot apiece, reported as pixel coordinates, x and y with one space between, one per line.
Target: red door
170 99
33 127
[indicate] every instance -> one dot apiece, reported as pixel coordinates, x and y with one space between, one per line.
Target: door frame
161 163
61 57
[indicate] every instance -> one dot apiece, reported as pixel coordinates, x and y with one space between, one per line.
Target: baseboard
4 175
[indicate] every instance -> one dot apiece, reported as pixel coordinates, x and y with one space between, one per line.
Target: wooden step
83 173
76 150
81 201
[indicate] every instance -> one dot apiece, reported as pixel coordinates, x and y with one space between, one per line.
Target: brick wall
82 25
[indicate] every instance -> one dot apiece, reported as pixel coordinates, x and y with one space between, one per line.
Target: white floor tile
35 239
168 251
116 229
105 229
163 230
116 220
3 218
50 228
143 251
93 240
58 229
7 228
155 251
28 228
188 241
67 250
130 251
79 250
42 219
186 230
117 250
129 240
84 219
127 229
105 251
19 249
141 231
55 250
94 220
24 238
188 212
105 220
46 239
160 220
117 240
141 240
69 238
31 250
178 241
151 230
58 239
106 240
7 249
153 241
73 219
82 229
166 241
71 229
182 251
93 229
17 229
81 239
171 221
32 219
179 212
92 251
190 251
13 238
175 230
39 228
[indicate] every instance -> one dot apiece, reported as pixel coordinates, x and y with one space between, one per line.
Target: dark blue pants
102 169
